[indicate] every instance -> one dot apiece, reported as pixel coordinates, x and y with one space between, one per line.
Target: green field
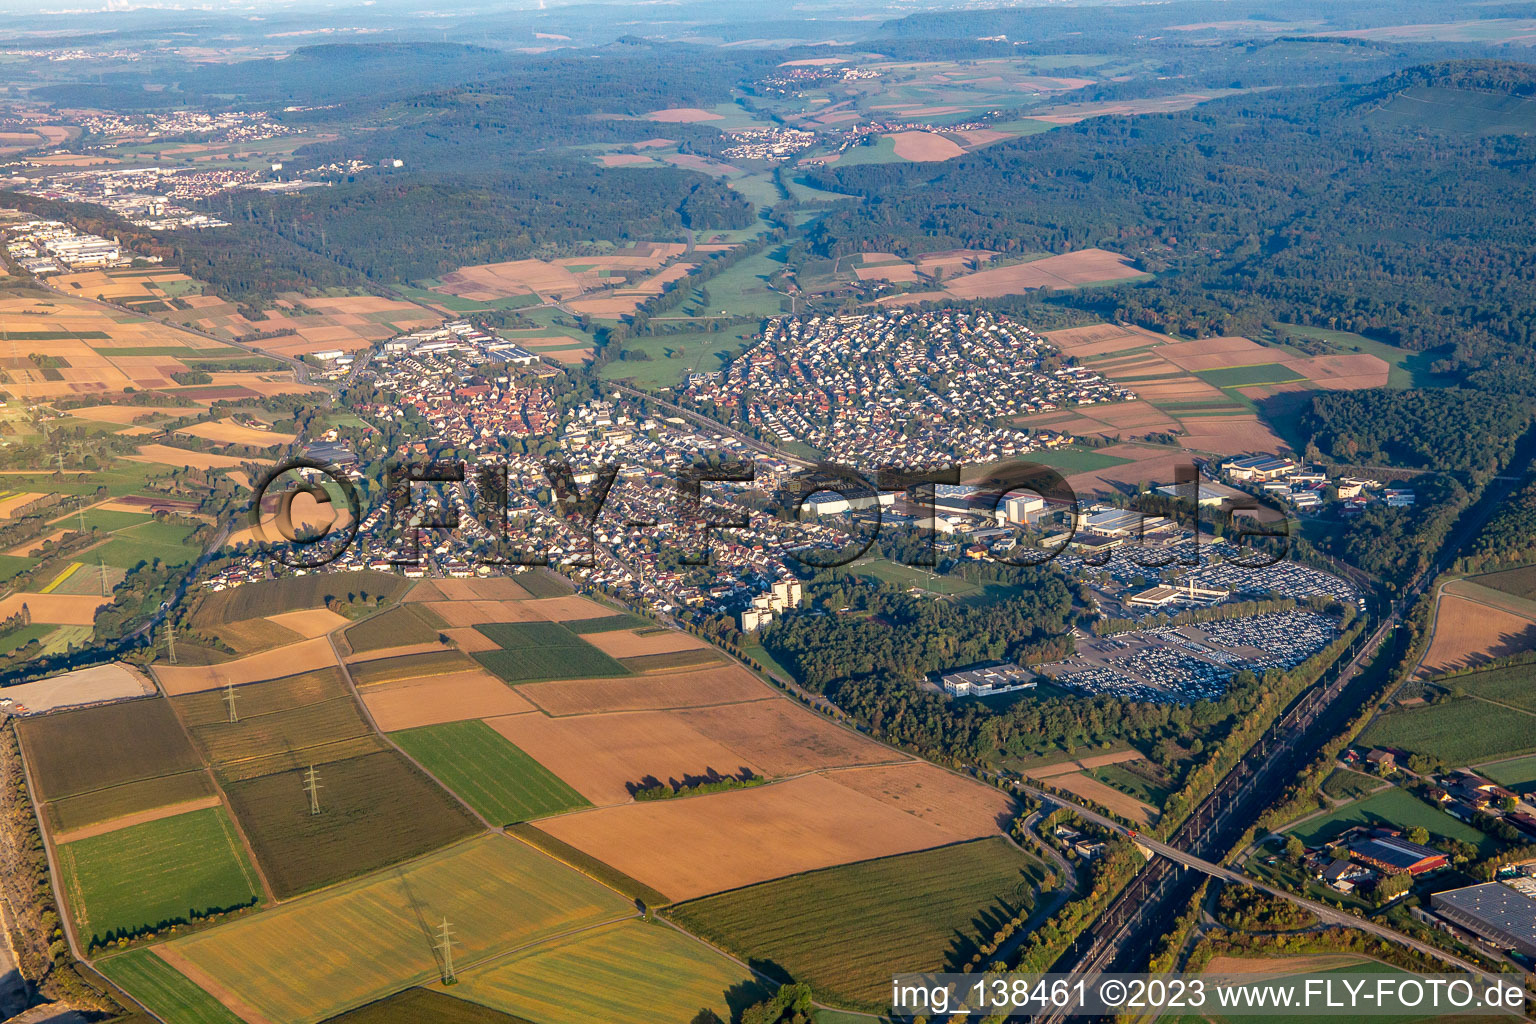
1244 376
887 571
742 288
97 748
488 772
1343 784
424 1006
1395 807
105 520
674 356
163 989
1515 686
847 930
158 873
1457 732
631 973
376 810
1137 785
881 151
496 893
1519 774
1070 461
148 542
533 651
394 628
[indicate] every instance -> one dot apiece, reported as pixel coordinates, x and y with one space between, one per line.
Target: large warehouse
1495 911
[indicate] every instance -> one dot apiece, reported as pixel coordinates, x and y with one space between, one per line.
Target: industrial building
1492 910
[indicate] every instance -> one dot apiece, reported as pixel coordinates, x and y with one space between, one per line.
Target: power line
229 702
312 787
445 950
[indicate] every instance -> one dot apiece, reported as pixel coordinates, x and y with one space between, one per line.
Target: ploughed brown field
432 700
273 664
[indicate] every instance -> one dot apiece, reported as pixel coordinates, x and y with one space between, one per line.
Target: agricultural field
1518 774
497 893
163 989
1519 583
1514 688
304 656
1457 732
497 779
113 681
279 726
346 322
1343 784
435 660
633 643
405 624
100 808
700 845
1397 808
1469 630
920 911
632 973
433 700
75 752
725 684
416 1005
376 810
289 593
532 651
666 661
147 876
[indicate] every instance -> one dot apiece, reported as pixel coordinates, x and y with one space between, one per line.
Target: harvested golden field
1216 353
1069 270
471 640
126 414
56 609
566 609
227 431
1469 632
938 797
310 623
16 501
476 613
725 684
627 643
1230 435
606 757
432 700
273 664
625 160
694 846
490 281
494 588
785 738
1090 788
925 146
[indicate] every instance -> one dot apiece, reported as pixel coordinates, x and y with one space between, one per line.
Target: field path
101 828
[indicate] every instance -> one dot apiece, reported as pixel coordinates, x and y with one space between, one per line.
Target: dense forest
1263 207
1449 429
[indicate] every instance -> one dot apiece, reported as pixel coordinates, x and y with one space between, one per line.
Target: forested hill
310 76
1090 28
1506 78
1284 205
